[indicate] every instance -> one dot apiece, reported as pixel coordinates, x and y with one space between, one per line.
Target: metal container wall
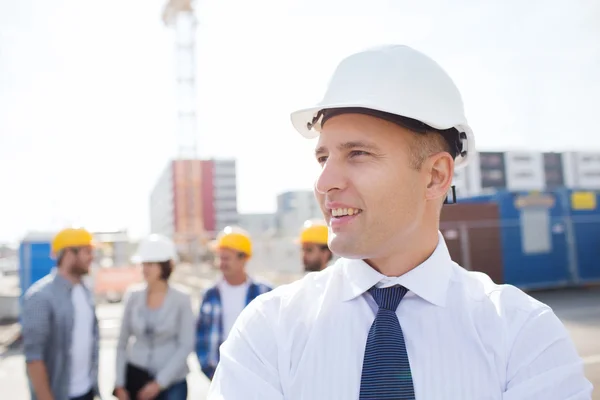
472 234
584 217
547 266
35 262
548 239
534 269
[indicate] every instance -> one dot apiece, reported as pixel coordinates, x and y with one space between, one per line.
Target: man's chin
345 249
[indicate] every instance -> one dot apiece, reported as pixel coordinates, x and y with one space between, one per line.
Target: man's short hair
426 144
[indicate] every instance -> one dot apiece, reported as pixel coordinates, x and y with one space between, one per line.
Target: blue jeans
177 391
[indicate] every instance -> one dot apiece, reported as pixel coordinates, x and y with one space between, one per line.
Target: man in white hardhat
394 317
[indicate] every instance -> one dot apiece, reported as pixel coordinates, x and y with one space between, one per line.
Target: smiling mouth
344 212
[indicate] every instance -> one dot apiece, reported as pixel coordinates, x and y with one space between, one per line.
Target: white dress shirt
82 343
467 338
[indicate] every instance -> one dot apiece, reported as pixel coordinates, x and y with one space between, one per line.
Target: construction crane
179 15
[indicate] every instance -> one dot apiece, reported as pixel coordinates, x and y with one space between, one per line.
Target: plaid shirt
209 329
47 328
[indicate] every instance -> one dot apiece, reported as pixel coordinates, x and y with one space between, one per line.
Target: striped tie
386 370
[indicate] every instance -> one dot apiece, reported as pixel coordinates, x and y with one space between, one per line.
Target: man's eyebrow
356 144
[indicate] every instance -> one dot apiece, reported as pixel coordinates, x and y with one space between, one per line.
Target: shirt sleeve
35 319
124 334
247 369
543 362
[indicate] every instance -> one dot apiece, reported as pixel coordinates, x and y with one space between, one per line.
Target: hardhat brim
301 118
215 247
300 242
138 259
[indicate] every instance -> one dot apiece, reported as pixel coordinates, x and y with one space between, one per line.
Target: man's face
230 262
366 171
314 257
80 260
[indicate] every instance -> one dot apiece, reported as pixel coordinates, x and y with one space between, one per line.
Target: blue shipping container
534 238
584 218
35 259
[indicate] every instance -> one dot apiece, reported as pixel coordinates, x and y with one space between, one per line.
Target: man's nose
332 177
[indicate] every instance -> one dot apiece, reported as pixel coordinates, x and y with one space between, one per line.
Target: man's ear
440 168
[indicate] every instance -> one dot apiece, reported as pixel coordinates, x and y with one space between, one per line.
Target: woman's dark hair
166 268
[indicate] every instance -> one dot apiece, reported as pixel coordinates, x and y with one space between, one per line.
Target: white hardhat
397 80
156 248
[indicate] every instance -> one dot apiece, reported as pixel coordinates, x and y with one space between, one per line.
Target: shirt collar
62 281
429 280
249 282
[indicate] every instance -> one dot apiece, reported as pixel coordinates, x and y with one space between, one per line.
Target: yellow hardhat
234 238
314 231
71 237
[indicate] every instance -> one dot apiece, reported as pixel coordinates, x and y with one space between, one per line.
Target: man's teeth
340 212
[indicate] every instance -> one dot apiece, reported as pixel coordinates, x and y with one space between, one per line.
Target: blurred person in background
223 302
316 254
159 317
59 325
395 317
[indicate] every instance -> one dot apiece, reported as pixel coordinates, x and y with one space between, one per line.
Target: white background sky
87 91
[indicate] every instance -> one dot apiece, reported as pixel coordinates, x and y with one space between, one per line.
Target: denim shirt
47 328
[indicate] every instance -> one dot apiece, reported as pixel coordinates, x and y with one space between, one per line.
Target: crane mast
179 16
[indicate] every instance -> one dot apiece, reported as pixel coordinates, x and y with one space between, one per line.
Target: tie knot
388 298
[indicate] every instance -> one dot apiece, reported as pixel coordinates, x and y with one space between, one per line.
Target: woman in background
159 318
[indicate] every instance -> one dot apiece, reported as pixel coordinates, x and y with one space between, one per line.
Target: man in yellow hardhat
315 251
60 329
223 302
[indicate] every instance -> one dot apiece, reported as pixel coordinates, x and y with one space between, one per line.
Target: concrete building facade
523 171
194 199
259 225
293 209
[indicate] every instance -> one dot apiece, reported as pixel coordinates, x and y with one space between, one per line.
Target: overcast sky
87 99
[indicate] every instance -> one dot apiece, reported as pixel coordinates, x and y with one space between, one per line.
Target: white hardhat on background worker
394 317
158 250
315 250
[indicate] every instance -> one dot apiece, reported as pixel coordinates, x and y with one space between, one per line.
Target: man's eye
322 159
356 153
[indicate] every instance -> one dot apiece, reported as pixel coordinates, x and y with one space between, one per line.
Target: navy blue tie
386 371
